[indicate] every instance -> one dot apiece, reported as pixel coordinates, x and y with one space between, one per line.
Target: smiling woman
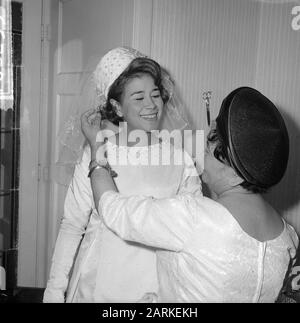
130 88
141 104
138 96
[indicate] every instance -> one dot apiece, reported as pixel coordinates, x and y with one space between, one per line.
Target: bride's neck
123 139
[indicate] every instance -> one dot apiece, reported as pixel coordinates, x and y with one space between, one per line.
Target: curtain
6 64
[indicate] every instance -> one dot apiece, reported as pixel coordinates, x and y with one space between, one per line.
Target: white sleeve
190 180
77 209
159 223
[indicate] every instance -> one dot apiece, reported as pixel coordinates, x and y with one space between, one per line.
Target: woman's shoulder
259 220
209 211
291 234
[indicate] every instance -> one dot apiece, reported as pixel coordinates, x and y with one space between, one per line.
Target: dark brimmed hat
255 136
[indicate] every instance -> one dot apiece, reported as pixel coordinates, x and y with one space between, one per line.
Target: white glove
62 261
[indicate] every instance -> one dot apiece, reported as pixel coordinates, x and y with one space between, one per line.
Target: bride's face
142 104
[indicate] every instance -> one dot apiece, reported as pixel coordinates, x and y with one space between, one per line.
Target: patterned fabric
290 292
108 269
111 67
203 254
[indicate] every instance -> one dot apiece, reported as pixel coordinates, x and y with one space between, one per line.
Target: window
10 160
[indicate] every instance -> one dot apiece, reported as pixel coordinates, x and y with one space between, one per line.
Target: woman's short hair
138 67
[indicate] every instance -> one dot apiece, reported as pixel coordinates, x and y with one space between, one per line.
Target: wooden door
81 32
29 144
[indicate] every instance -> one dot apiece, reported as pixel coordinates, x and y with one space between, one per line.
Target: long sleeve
159 223
77 209
190 181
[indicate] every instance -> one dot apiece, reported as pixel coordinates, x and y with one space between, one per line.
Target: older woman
234 249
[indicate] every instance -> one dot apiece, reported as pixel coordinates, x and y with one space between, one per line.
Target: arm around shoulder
160 223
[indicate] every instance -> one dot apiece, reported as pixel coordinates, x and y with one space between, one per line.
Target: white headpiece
93 94
111 66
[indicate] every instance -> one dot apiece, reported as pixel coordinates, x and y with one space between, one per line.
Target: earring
119 113
117 107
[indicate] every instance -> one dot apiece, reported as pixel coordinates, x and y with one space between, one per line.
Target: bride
91 263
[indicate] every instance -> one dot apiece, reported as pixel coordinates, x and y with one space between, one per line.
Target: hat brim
256 137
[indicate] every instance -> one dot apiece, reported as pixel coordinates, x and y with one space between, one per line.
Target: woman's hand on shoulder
91 126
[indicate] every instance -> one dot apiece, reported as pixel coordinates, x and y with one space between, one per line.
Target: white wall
81 32
213 45
207 45
278 76
219 45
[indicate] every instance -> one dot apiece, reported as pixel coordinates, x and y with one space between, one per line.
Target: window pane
9 160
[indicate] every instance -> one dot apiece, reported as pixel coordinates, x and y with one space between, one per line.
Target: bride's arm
77 209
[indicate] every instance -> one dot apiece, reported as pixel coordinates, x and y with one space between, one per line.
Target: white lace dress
204 255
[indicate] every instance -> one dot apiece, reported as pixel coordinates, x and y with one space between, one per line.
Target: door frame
33 148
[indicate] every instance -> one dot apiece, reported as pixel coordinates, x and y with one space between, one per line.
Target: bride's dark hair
138 67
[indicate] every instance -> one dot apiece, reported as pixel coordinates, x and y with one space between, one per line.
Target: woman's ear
117 107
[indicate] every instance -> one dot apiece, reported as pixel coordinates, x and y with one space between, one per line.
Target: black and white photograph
149 154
